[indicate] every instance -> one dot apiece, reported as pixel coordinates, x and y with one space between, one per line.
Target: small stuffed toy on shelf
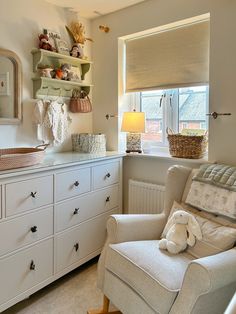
44 42
66 69
62 73
77 51
57 74
181 230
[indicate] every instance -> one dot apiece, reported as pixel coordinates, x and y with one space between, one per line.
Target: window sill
165 155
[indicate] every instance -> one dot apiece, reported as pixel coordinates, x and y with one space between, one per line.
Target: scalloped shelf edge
45 86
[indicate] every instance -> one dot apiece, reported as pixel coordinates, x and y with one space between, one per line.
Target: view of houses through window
178 109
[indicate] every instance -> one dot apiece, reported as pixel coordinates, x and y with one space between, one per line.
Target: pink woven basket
12 158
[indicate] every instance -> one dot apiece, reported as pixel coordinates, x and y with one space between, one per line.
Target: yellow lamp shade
133 122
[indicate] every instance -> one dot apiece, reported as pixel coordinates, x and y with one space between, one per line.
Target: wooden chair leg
106 303
105 308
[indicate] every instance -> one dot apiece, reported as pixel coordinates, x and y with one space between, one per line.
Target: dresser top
58 160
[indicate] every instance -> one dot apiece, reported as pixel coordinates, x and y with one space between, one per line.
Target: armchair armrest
123 228
231 308
213 276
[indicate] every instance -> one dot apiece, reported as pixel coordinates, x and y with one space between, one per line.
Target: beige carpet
72 294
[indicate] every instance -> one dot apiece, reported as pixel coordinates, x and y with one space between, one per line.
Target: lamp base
134 151
134 143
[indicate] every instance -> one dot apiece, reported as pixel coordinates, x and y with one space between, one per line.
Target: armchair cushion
154 274
212 199
216 237
124 228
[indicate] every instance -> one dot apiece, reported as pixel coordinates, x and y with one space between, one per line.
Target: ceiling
93 8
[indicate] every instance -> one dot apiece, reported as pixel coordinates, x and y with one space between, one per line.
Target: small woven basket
89 143
11 158
186 146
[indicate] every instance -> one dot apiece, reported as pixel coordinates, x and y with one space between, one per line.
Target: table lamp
134 124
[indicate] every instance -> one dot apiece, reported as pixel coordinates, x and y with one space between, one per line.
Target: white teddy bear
180 231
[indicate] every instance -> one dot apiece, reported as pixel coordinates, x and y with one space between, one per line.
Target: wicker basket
89 143
11 158
186 146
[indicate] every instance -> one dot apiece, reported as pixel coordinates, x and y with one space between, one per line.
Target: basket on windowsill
186 146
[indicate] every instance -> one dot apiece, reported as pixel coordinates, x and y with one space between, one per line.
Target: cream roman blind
174 58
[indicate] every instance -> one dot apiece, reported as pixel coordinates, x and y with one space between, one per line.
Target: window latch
161 100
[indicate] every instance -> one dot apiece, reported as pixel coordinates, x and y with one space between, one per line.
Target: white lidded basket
89 143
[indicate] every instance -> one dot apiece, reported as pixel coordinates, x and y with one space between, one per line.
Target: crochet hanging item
58 120
44 133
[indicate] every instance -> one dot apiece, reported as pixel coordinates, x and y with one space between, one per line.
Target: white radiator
145 198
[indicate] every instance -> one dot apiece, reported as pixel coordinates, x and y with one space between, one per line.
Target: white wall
149 169
153 13
20 23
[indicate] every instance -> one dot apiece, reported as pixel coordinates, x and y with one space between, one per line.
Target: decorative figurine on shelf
44 42
77 33
46 72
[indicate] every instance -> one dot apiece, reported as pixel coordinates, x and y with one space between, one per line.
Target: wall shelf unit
53 87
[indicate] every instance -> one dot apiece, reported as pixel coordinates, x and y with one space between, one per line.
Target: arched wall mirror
10 88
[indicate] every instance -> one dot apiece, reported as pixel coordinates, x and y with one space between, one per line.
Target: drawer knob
76 211
76 246
76 183
108 175
32 265
33 194
108 199
33 229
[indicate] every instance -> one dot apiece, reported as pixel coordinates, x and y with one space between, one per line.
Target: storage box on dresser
52 221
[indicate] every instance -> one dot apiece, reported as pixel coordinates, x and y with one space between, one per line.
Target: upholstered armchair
139 278
231 308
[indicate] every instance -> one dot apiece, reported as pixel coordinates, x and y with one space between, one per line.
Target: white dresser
53 219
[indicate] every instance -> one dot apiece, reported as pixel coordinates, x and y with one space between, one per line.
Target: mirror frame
17 87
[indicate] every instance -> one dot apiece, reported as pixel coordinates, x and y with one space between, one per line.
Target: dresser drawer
105 175
72 183
16 273
25 230
78 210
73 245
29 194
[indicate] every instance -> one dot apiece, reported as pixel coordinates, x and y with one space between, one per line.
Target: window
166 76
150 104
178 109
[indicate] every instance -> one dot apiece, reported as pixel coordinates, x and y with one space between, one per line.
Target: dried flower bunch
77 33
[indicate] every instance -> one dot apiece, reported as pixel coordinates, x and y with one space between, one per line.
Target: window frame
170 119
